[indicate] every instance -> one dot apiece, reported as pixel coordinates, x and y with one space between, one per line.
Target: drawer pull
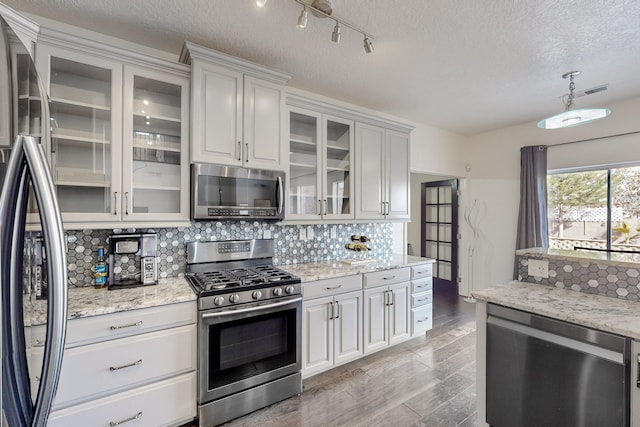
389 278
115 328
331 288
423 320
117 368
117 423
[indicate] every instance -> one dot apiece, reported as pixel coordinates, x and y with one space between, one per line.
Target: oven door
244 347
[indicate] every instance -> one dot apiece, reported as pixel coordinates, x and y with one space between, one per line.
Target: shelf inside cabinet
76 108
156 125
340 150
76 137
299 146
77 177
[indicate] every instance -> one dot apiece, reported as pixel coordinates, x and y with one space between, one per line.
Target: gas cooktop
223 281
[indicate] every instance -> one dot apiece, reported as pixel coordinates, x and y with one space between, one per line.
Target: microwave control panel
222 212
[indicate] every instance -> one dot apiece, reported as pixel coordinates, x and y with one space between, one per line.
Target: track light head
335 36
368 46
302 19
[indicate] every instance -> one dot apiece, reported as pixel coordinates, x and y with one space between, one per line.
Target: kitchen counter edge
310 272
608 314
87 301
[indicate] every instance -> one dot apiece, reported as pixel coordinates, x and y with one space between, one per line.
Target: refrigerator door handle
16 398
55 246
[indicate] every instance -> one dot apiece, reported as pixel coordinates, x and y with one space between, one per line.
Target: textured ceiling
464 65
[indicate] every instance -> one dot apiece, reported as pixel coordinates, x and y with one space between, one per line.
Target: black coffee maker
135 255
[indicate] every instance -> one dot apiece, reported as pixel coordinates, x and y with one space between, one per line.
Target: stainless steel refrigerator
28 208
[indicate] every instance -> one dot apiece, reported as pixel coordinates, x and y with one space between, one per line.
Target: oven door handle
250 309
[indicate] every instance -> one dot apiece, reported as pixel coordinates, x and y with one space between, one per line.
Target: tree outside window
581 212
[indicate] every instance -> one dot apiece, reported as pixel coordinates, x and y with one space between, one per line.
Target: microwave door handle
280 195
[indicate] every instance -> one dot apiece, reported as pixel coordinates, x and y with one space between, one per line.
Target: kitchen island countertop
88 301
608 314
312 271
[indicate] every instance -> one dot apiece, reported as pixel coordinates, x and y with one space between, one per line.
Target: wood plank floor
428 381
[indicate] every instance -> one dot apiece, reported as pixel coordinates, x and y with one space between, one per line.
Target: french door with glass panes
320 166
440 232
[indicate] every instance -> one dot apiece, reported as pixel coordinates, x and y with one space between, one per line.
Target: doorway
439 232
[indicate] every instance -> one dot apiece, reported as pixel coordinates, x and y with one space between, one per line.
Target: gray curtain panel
533 231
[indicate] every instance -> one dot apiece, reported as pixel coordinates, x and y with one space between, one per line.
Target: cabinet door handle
393 298
386 297
638 373
381 208
330 288
324 204
337 316
330 310
130 365
246 154
117 423
387 208
115 203
126 203
389 278
319 207
239 150
115 328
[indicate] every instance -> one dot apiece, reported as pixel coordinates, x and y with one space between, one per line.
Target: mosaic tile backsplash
588 276
289 249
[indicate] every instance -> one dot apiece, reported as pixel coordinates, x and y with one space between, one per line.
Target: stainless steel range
249 328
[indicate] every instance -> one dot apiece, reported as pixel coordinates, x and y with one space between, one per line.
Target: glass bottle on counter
100 271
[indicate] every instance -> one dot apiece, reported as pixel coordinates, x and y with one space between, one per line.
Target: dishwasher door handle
581 346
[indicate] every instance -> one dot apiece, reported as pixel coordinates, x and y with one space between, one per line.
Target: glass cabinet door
155 180
84 124
338 164
304 164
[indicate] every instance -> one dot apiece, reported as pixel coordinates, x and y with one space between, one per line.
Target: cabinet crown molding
120 54
295 100
191 51
20 23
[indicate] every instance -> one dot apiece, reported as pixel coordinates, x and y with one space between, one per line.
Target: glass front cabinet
119 138
320 166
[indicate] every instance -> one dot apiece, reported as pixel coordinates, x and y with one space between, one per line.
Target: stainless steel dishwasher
545 372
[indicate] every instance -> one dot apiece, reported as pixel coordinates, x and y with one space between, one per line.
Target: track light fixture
335 36
302 19
324 9
570 116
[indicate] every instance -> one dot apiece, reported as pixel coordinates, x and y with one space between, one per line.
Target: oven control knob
256 294
277 292
289 289
218 300
234 298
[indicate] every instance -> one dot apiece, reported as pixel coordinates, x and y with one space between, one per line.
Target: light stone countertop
595 311
310 272
88 301
597 257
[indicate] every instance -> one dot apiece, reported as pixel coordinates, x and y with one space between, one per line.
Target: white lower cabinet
386 316
332 325
164 403
144 372
421 299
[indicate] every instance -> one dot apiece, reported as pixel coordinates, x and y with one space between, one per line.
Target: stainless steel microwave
235 193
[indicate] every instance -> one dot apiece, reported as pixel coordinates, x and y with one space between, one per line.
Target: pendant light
571 116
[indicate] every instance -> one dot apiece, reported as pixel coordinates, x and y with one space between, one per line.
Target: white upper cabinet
382 173
120 134
238 112
320 166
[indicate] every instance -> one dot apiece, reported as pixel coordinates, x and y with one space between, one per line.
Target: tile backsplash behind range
289 249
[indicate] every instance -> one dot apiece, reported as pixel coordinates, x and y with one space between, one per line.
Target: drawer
321 288
424 298
422 285
94 329
421 319
386 277
422 270
168 402
94 370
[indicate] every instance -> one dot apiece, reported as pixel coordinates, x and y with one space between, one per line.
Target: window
596 209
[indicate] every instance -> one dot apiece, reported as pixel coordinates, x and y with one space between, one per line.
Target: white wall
494 180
